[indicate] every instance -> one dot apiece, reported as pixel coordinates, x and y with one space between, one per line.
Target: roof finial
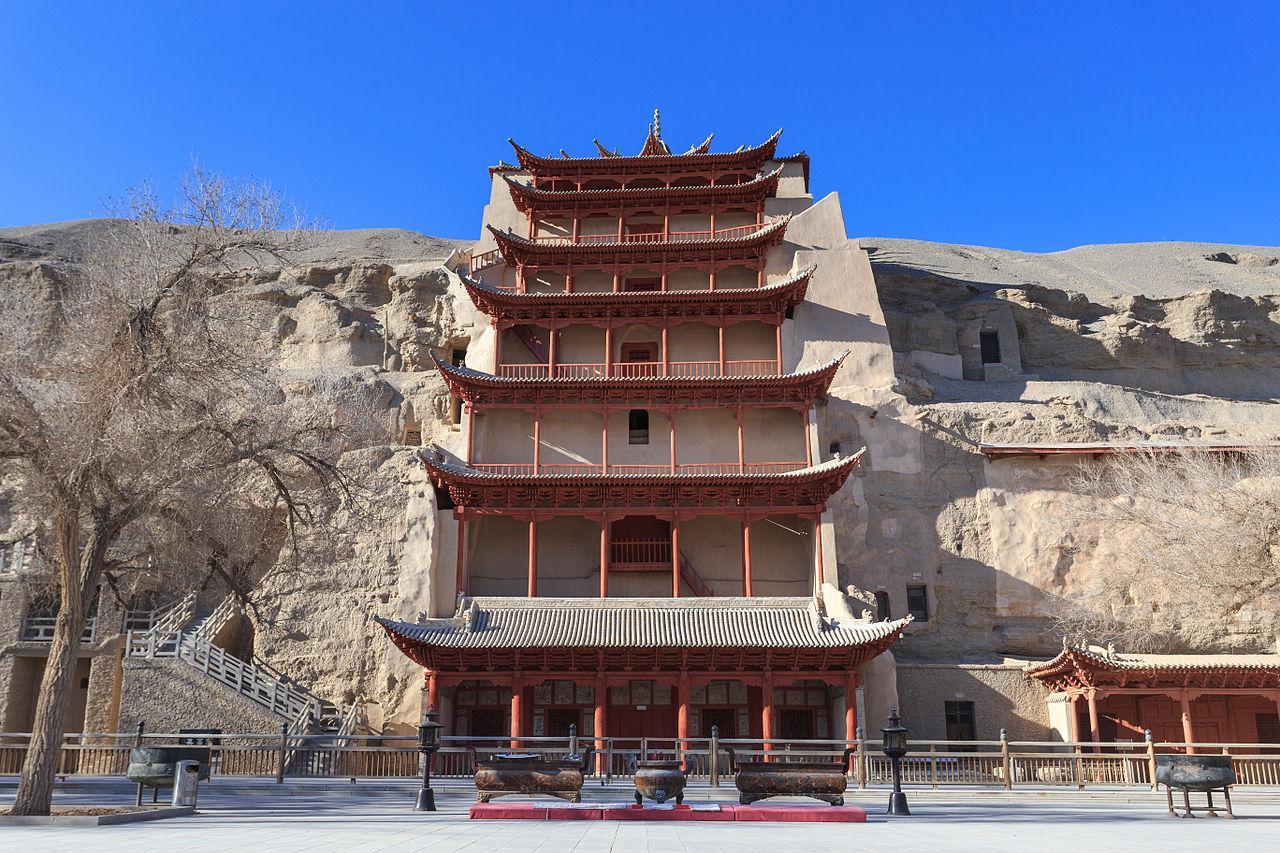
657 123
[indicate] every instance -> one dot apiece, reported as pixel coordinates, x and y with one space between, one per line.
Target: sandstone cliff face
1085 357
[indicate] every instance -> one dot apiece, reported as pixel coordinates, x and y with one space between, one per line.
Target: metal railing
937 764
644 369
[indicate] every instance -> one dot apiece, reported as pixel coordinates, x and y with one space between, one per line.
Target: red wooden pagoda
632 390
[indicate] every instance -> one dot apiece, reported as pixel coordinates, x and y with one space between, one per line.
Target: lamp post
895 746
428 743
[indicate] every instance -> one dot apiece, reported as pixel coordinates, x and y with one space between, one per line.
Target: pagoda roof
746 242
613 623
792 389
528 197
652 160
1077 667
771 299
587 487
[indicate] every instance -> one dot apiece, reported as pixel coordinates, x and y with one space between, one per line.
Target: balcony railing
39 629
637 554
650 237
527 469
642 369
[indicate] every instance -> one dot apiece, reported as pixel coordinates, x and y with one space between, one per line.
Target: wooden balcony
640 555
645 369
650 236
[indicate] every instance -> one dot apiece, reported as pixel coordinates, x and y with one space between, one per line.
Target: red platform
774 812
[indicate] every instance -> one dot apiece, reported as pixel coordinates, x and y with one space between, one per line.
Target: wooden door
654 721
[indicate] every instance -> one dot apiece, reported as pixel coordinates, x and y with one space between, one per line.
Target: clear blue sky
1029 125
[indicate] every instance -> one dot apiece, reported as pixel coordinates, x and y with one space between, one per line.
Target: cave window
638 426
834 448
918 602
989 343
882 606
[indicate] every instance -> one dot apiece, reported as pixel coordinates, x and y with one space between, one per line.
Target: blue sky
1027 125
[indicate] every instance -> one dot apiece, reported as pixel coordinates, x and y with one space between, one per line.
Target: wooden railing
998 764
484 260
625 554
527 469
651 236
644 369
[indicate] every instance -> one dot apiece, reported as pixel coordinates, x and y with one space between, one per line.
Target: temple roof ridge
527 158
530 190
1107 658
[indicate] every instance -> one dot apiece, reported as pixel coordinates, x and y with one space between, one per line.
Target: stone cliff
1172 340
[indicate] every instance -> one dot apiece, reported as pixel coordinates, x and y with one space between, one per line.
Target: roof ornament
702 147
564 154
653 144
605 152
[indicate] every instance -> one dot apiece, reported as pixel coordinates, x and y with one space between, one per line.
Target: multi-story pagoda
638 489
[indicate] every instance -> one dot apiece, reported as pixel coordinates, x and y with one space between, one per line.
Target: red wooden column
533 558
671 415
497 346
666 358
851 708
470 413
1188 733
1095 731
675 556
552 337
1073 719
682 712
711 285
777 335
600 721
741 455
604 442
460 577
517 708
608 351
746 557
720 337
817 550
808 441
766 708
577 226
604 557
537 438
433 690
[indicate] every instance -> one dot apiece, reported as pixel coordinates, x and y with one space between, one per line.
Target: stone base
780 813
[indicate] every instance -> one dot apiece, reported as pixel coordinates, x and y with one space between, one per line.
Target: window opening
918 603
638 426
989 343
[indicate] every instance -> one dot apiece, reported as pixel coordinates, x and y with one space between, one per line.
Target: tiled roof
1101 658
437 460
642 297
626 193
641 623
468 374
764 150
1102 447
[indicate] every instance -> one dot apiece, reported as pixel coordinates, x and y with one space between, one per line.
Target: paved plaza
372 820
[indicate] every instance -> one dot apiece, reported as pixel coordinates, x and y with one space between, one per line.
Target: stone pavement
246 820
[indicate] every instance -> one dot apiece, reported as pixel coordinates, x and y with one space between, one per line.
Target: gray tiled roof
642 622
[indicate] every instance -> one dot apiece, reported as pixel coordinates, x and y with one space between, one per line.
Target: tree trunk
79 572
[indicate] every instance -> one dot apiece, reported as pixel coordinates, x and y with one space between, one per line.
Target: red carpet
778 812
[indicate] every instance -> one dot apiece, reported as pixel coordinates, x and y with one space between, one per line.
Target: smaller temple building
1100 695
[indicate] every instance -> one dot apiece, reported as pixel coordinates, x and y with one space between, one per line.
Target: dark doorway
796 724
638 426
725 721
488 722
989 342
960 721
559 720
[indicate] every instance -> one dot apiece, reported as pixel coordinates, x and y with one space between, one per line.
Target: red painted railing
638 369
651 237
631 553
526 469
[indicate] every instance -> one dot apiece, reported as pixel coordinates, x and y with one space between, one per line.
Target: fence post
1079 768
1005 763
573 738
644 749
137 741
713 757
608 760
283 753
933 764
1151 759
862 756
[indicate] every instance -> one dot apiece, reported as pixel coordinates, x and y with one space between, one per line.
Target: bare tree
138 415
1194 547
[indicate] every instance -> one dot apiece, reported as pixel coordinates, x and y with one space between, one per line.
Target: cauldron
530 773
155 766
757 780
659 781
1206 773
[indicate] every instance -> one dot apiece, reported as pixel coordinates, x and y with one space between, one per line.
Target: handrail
643 369
484 260
651 236
226 610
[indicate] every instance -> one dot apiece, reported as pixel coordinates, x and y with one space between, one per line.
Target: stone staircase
188 634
